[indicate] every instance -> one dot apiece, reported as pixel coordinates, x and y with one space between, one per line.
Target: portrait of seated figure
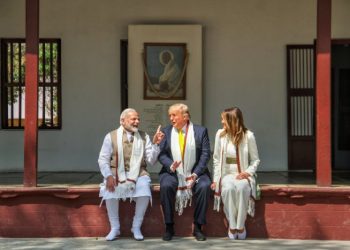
165 71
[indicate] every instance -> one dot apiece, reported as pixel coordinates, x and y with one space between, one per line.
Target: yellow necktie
181 141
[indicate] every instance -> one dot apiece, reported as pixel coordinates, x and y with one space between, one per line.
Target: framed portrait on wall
164 67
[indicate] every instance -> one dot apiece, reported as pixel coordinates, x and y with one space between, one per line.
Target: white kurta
143 183
235 193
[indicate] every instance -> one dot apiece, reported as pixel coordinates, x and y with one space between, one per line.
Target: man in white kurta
122 162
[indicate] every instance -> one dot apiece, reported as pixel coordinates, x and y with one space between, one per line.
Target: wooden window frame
49 85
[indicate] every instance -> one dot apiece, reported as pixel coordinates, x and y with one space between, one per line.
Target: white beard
131 128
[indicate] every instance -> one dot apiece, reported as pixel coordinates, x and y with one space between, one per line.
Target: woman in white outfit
234 172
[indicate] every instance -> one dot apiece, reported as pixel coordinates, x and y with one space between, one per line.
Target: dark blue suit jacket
202 150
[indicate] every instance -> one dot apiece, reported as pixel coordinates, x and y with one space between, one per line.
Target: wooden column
31 94
323 94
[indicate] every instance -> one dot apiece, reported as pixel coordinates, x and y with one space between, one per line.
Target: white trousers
141 196
140 209
235 196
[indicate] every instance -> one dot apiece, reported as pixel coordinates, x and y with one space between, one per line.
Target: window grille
13 84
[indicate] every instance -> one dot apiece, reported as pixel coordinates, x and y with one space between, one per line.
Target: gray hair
125 113
182 107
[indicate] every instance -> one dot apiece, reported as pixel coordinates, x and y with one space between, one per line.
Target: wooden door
301 106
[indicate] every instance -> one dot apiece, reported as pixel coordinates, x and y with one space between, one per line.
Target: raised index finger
158 130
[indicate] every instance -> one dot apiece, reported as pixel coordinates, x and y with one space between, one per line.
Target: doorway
341 104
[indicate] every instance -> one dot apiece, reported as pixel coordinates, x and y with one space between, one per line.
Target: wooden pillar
323 94
31 94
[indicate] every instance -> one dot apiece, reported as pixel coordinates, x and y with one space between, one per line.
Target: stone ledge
290 212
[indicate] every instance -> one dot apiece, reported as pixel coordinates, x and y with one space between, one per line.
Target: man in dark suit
184 154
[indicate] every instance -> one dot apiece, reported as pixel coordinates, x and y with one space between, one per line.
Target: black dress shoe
169 232
199 235
168 236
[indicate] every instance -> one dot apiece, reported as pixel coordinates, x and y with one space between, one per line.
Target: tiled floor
91 178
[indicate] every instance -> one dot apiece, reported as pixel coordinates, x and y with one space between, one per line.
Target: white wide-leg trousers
235 196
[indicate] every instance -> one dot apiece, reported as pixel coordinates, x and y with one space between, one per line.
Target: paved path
176 243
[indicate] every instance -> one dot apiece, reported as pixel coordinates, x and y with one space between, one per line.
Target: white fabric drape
183 194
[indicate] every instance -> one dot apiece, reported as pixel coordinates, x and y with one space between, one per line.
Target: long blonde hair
234 125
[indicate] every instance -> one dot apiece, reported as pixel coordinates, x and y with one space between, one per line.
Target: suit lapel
168 135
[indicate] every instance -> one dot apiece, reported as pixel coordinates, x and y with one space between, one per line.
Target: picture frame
164 67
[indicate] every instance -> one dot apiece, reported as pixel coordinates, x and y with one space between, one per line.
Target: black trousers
201 192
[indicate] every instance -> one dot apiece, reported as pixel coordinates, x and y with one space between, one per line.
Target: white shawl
183 194
126 184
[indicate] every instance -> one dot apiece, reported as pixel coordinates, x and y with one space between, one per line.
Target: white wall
243 64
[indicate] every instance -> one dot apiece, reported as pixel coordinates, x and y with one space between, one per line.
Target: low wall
283 212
